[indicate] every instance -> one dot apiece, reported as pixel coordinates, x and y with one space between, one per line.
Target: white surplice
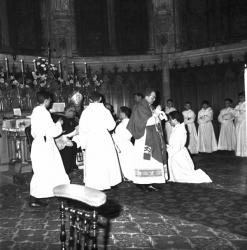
181 166
122 138
227 138
102 170
47 164
240 121
167 124
189 120
206 137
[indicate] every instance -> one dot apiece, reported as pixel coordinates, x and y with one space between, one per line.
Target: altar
14 145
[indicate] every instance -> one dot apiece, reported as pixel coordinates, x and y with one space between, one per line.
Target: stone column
111 27
60 27
150 11
4 26
164 40
166 86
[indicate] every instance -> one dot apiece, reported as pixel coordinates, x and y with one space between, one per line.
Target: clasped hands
158 113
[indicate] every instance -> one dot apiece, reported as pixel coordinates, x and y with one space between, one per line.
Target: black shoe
35 202
157 186
142 187
151 188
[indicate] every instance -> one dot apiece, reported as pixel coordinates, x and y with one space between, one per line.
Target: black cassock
68 154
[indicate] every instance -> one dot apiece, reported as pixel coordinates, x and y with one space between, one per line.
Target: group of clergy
132 149
232 127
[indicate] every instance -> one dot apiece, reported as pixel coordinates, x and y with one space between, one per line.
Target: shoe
142 187
157 186
151 188
35 202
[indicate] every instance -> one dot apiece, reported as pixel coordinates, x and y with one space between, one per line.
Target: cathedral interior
189 50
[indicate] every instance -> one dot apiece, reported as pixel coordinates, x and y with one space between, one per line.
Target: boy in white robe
47 165
168 109
206 137
181 167
122 138
240 121
189 121
102 170
227 138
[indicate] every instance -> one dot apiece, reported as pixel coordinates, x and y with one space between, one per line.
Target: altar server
181 167
125 148
102 170
227 138
189 121
168 109
206 137
149 149
47 165
240 109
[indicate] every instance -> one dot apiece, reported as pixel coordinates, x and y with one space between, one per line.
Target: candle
34 65
73 68
85 69
59 68
22 66
7 64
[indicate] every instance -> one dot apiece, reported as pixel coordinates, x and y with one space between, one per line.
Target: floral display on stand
19 89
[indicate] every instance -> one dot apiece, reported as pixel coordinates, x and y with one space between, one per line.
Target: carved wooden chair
81 204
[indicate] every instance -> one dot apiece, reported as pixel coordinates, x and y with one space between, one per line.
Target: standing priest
150 150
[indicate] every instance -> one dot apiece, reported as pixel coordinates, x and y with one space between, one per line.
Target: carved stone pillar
59 27
164 40
150 10
166 85
111 27
4 33
177 24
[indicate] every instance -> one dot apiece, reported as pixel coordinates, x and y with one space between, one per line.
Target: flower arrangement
19 89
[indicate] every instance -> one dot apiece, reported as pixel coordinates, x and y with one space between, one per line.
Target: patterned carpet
179 216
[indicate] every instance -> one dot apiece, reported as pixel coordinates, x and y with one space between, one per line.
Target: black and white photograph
123 124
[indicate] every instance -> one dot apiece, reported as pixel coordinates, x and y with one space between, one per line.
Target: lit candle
34 65
7 64
59 68
22 66
73 68
85 70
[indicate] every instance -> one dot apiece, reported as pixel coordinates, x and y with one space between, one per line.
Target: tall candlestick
85 69
34 65
7 64
22 66
73 68
59 68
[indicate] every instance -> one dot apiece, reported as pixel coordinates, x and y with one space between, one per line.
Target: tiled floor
180 216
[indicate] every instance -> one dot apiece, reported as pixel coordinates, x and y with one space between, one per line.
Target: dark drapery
24 26
119 87
91 27
131 26
205 23
212 82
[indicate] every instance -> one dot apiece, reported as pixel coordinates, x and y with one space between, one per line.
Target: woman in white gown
189 121
180 164
240 121
47 165
102 170
206 137
168 109
122 138
227 138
